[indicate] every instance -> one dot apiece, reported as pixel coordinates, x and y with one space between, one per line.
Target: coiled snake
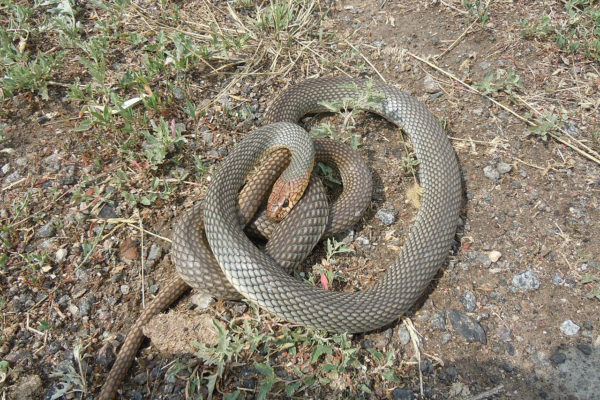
257 276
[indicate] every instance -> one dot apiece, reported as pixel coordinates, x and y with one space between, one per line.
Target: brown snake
256 276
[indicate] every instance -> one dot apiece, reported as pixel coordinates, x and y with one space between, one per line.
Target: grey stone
503 167
153 255
403 335
484 65
571 128
53 162
467 327
47 230
366 243
125 289
438 321
85 306
557 279
491 173
60 255
569 328
430 85
385 216
107 211
402 394
468 301
526 281
446 337
505 334
585 348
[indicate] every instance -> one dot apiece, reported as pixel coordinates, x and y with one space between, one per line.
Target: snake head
284 196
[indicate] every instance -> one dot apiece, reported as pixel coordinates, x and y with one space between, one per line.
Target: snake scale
257 276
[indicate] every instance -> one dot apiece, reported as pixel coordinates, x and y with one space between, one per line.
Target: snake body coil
259 279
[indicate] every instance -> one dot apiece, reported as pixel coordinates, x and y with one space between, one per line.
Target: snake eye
286 203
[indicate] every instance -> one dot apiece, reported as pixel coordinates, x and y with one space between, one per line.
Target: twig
414 338
15 183
590 156
458 10
458 39
488 393
130 222
142 257
366 59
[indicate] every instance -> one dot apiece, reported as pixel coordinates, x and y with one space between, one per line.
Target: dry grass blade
579 147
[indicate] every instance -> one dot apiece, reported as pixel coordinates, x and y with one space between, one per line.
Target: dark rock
47 230
107 211
558 358
106 355
467 327
426 367
438 321
585 348
402 394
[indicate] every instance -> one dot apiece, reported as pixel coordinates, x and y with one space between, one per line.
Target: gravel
569 328
468 301
558 358
503 168
430 85
526 281
47 230
491 173
403 335
385 216
438 321
467 327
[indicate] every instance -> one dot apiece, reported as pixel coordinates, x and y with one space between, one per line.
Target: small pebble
558 358
47 230
60 255
505 334
438 321
125 289
446 337
494 256
385 216
403 335
526 281
485 65
503 167
557 279
467 327
366 243
430 85
585 348
468 301
491 173
569 328
402 394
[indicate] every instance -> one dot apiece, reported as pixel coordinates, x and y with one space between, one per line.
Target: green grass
575 31
289 362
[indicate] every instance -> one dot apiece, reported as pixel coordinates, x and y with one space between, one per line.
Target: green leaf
319 351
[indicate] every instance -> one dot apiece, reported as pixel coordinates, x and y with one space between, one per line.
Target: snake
257 276
260 280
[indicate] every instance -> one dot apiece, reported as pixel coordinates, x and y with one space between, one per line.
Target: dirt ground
513 314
